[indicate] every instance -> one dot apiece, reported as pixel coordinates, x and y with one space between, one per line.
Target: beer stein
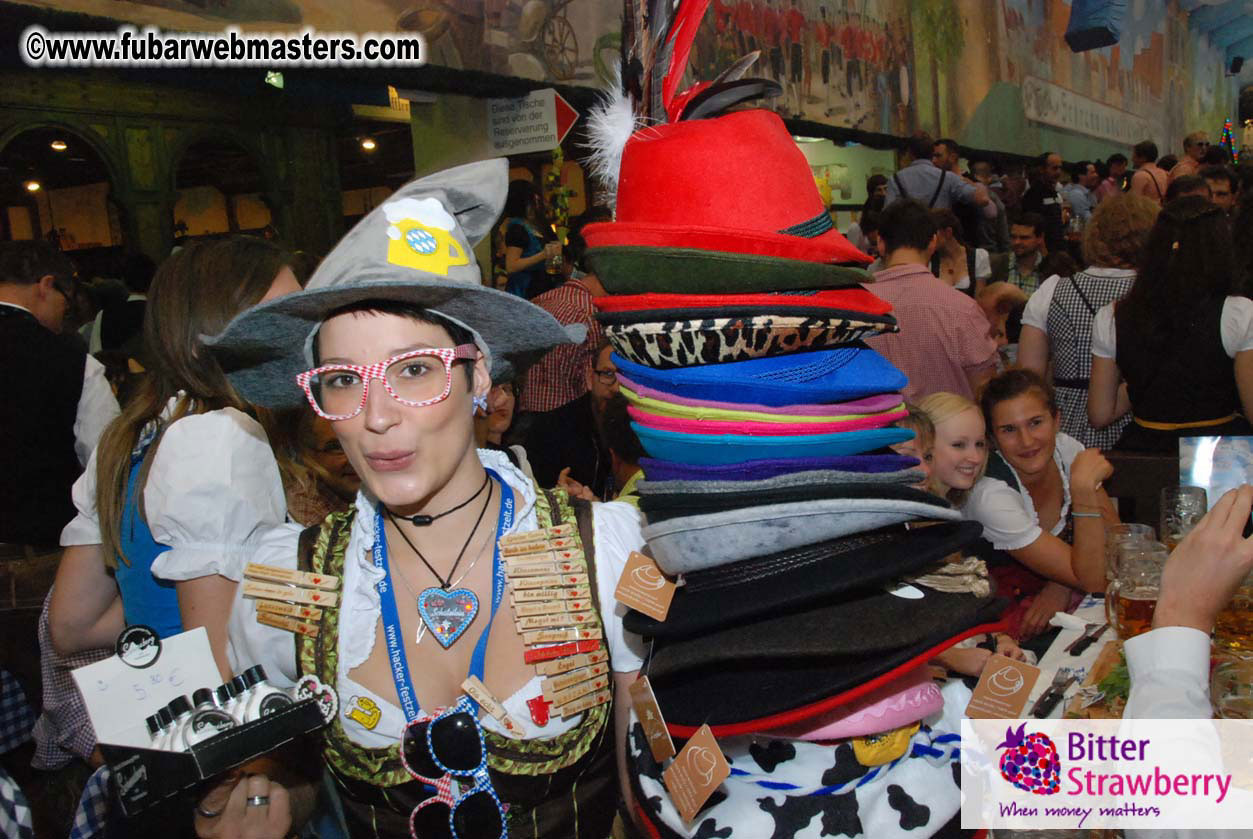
1131 598
1115 536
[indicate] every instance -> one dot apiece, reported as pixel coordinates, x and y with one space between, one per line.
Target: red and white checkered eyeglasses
340 391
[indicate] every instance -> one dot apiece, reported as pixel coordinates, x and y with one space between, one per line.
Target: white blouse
1235 327
617 533
1007 513
213 486
213 493
1036 312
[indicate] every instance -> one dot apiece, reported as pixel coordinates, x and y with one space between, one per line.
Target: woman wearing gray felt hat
394 341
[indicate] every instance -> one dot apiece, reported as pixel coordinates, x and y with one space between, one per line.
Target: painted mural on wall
992 73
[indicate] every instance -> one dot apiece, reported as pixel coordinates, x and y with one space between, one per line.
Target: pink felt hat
901 701
831 412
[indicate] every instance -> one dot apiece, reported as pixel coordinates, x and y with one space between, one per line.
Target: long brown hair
195 292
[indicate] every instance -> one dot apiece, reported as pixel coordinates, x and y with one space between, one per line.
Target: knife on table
1087 639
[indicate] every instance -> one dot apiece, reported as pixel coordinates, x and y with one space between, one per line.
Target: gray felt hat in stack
417 248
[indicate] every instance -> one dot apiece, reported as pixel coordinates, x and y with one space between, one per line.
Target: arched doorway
219 190
54 185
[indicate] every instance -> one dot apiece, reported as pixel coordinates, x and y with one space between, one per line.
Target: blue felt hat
837 375
722 449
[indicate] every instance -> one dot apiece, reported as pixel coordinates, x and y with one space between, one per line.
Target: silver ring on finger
258 801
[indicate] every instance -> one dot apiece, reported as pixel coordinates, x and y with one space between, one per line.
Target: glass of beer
1181 508
1131 598
1231 687
1115 536
1233 628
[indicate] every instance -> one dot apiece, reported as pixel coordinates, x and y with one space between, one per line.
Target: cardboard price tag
644 588
290 576
564 665
1003 689
557 531
694 775
649 714
478 691
290 624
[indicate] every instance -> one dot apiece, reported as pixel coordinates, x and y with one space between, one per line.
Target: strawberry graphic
1029 761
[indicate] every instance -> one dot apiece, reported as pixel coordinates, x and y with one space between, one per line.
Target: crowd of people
153 451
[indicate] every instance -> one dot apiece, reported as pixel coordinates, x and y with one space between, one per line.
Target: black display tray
145 777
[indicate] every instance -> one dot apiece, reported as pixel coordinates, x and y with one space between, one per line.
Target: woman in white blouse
1040 503
183 479
965 268
1057 322
1181 340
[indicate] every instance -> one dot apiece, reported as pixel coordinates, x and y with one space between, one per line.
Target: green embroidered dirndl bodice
563 787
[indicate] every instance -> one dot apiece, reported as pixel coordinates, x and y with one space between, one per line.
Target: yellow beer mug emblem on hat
419 236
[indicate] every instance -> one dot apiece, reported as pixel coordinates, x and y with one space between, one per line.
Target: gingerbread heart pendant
447 614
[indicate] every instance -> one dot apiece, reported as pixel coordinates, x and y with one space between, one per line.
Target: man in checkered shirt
555 405
944 343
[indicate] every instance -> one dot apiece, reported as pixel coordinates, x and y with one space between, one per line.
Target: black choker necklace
424 520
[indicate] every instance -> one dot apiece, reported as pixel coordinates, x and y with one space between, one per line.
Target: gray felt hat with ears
416 247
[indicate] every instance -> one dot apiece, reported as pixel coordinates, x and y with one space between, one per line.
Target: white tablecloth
1091 610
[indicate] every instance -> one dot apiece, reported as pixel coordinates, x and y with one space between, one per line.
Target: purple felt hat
756 470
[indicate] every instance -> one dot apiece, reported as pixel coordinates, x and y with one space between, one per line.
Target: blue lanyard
391 619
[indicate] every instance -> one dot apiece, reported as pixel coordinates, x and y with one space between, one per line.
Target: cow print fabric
790 789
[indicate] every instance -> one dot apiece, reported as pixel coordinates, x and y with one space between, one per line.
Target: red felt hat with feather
705 201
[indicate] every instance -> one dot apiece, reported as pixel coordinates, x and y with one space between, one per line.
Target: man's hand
1203 573
573 487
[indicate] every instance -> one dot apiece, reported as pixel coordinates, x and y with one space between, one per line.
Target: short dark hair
459 334
1185 185
28 261
906 223
1220 173
1145 150
1028 219
920 146
946 219
948 143
615 428
1168 162
1117 158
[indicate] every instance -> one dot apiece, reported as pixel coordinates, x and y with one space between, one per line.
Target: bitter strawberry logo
1030 762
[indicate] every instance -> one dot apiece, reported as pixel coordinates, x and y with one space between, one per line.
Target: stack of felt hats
811 597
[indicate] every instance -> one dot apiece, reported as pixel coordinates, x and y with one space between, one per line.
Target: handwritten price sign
120 697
